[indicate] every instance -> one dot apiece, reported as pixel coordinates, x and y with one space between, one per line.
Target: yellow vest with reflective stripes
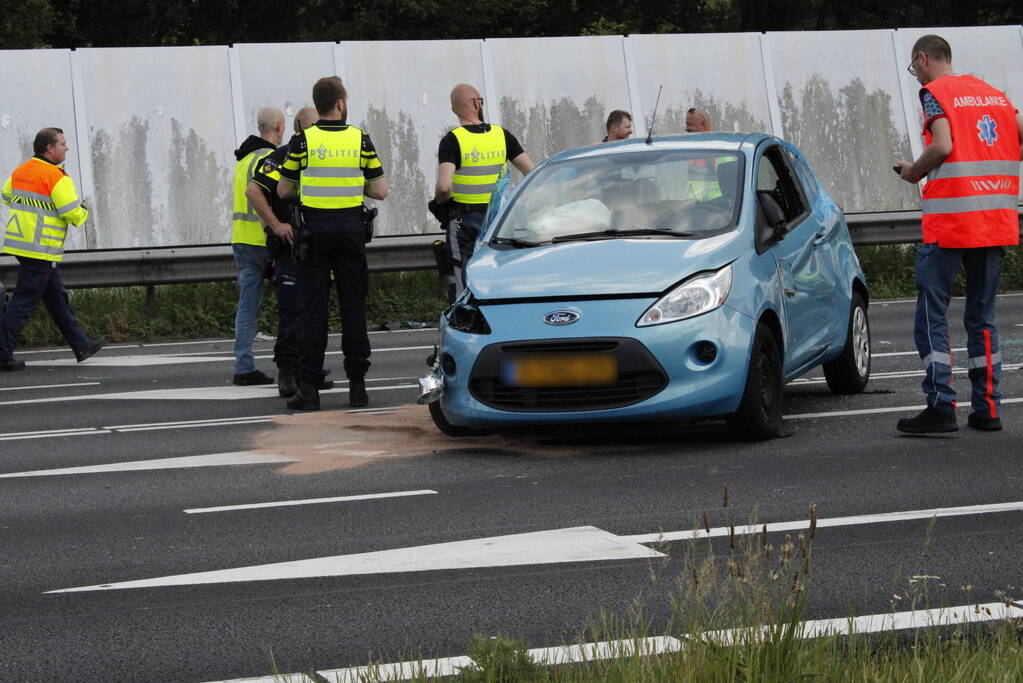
703 180
484 156
43 203
247 227
333 176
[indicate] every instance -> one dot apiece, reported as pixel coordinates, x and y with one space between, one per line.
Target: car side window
804 174
775 179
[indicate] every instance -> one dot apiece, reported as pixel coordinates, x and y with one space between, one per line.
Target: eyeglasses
477 99
691 110
912 66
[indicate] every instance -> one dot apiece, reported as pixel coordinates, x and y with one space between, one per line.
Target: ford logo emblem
561 317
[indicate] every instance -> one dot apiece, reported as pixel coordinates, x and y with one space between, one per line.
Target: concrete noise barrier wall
152 130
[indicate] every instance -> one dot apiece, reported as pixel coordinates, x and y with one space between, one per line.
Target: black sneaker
929 421
90 350
287 385
248 379
984 424
12 365
305 399
357 396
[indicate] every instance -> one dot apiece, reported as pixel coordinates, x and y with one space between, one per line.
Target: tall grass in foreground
736 613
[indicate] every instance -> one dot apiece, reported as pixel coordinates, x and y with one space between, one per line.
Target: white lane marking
138 361
873 411
65 350
212 460
548 656
192 423
852 520
590 652
51 386
955 298
312 501
83 431
578 544
224 393
901 374
907 353
214 423
277 678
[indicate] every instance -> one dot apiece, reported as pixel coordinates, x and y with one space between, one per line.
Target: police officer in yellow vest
43 204
333 166
703 177
248 242
471 158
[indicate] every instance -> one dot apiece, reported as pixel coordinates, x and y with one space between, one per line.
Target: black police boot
248 379
324 383
307 398
929 421
287 383
984 424
357 396
12 365
90 350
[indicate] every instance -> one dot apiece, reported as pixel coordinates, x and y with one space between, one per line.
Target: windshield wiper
520 244
617 232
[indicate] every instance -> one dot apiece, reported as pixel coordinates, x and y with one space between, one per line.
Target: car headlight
465 316
697 295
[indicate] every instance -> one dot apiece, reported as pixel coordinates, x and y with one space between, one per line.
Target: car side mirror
773 214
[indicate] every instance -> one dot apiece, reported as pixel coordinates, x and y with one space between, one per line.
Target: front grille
640 376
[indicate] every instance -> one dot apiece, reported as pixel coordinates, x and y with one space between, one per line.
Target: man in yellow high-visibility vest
43 203
471 158
248 242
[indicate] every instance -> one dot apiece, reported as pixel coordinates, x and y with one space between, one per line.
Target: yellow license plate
563 370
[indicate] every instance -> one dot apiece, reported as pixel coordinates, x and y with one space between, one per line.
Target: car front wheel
850 372
759 414
441 421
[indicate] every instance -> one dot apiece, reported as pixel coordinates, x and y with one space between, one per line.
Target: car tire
850 372
448 429
759 413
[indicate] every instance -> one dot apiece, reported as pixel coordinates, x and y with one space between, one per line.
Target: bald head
270 122
697 121
467 103
305 117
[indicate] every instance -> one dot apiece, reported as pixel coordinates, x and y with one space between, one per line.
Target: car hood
599 267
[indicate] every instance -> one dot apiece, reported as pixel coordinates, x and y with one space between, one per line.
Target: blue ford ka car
685 278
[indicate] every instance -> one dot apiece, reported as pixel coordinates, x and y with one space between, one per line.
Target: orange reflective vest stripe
970 200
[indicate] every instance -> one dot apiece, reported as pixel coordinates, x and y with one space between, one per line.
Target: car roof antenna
653 117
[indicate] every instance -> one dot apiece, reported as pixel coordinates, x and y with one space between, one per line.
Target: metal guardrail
215 263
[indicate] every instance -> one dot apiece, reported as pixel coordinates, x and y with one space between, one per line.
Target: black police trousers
336 244
289 311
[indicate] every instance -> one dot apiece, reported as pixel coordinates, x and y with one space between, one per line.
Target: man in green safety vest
471 159
248 242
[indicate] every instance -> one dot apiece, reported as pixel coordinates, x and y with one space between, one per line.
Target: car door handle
789 292
820 238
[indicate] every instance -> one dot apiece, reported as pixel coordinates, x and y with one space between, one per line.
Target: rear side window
805 175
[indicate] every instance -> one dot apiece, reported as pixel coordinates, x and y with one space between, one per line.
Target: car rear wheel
759 414
441 421
850 372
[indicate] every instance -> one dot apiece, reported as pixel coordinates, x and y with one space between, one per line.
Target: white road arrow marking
578 544
214 460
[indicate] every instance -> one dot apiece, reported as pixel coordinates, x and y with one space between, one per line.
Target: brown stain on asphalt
339 440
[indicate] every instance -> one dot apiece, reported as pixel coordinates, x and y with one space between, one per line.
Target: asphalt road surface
144 536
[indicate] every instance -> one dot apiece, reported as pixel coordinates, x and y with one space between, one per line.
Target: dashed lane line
51 386
311 501
138 361
902 374
211 460
875 411
49 433
221 393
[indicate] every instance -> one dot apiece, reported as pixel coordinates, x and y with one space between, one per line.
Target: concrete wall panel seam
639 125
490 86
772 92
237 100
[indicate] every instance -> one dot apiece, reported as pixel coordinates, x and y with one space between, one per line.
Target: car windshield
657 193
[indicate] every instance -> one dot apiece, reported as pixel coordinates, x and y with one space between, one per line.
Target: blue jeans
39 280
936 269
251 262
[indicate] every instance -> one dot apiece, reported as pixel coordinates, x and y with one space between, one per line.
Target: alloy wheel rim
860 341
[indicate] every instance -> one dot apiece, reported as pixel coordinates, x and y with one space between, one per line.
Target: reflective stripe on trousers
936 269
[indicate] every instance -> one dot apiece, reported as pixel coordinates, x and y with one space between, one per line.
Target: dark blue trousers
289 312
337 247
936 268
39 280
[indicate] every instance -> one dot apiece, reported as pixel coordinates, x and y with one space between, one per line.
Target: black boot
287 383
93 346
306 398
984 424
931 420
357 396
12 365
